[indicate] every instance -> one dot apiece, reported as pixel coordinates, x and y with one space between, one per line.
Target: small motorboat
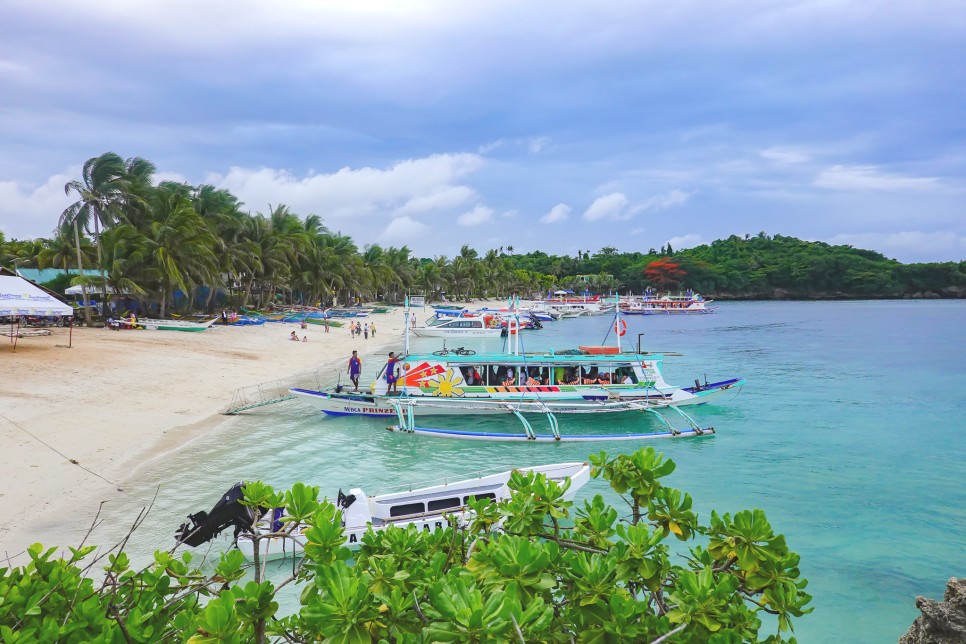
426 508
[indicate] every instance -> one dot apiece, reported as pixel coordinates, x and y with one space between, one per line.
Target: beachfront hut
20 297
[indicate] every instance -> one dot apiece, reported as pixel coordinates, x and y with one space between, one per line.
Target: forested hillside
756 267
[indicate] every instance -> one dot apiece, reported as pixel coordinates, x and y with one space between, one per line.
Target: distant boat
484 327
174 325
424 508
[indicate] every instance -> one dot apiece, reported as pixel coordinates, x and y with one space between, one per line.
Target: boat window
472 375
408 508
443 504
488 495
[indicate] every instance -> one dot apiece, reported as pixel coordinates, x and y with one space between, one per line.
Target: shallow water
848 434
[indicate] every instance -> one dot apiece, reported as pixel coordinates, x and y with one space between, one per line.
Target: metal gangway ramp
272 392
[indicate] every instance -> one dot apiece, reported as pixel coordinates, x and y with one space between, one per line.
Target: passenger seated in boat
604 379
510 379
530 380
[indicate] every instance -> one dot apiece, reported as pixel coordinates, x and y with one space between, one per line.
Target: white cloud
783 155
479 215
32 211
409 186
607 207
403 230
560 212
869 177
685 241
441 199
663 202
536 144
910 245
617 207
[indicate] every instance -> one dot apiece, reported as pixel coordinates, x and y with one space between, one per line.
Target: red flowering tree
664 274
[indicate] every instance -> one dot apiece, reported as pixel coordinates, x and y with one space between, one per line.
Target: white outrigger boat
650 304
174 325
592 379
486 326
427 508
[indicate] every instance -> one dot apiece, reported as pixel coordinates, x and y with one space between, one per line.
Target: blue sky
552 126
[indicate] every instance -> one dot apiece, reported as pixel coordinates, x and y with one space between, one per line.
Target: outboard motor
205 526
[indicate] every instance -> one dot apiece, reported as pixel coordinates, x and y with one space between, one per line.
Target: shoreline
119 401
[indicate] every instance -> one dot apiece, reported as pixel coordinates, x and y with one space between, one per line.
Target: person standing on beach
355 368
372 329
365 331
224 317
413 323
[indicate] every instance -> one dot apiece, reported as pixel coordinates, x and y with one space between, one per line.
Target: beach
76 422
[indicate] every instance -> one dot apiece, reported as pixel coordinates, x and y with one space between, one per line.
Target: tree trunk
80 271
100 266
164 301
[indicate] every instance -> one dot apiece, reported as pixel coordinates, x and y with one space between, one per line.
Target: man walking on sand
355 368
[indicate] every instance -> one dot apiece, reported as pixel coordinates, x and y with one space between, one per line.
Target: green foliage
552 573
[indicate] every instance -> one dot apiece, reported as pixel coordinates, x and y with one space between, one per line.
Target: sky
554 126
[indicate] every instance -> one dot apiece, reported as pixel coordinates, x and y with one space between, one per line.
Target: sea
848 434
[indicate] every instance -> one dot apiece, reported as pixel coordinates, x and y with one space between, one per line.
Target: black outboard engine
205 526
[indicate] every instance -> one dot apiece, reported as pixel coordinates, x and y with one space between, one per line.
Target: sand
74 422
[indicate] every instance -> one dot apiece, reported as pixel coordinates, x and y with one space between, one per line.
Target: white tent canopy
91 290
20 297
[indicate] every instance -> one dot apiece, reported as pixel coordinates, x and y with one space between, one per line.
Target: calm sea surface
849 434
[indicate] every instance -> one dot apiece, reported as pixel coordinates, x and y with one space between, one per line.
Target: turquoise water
848 434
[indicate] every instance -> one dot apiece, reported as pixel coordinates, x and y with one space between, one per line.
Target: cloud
610 206
536 144
560 212
783 155
30 211
869 177
408 187
910 245
403 230
479 215
685 241
663 202
442 199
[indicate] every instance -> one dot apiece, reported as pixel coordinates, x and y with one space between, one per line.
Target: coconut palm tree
179 245
100 194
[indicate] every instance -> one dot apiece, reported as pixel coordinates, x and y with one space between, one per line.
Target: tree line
153 240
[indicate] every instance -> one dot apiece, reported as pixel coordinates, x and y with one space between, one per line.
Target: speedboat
427 508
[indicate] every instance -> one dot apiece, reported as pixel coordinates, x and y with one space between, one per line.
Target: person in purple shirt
355 368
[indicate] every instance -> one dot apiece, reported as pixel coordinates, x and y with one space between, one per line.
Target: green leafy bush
605 578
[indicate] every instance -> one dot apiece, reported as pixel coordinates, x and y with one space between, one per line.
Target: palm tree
179 245
100 194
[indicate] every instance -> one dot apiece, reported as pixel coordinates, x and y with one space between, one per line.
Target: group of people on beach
356 328
354 370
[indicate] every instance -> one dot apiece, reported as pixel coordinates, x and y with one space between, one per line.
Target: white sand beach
117 398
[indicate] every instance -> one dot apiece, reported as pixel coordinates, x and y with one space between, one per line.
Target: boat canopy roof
542 357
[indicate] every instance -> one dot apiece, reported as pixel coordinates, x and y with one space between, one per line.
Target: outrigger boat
589 380
650 304
175 325
426 508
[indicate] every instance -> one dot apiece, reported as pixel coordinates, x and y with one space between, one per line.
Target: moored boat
426 508
174 325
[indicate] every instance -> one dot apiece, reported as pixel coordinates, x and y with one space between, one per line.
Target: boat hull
595 399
